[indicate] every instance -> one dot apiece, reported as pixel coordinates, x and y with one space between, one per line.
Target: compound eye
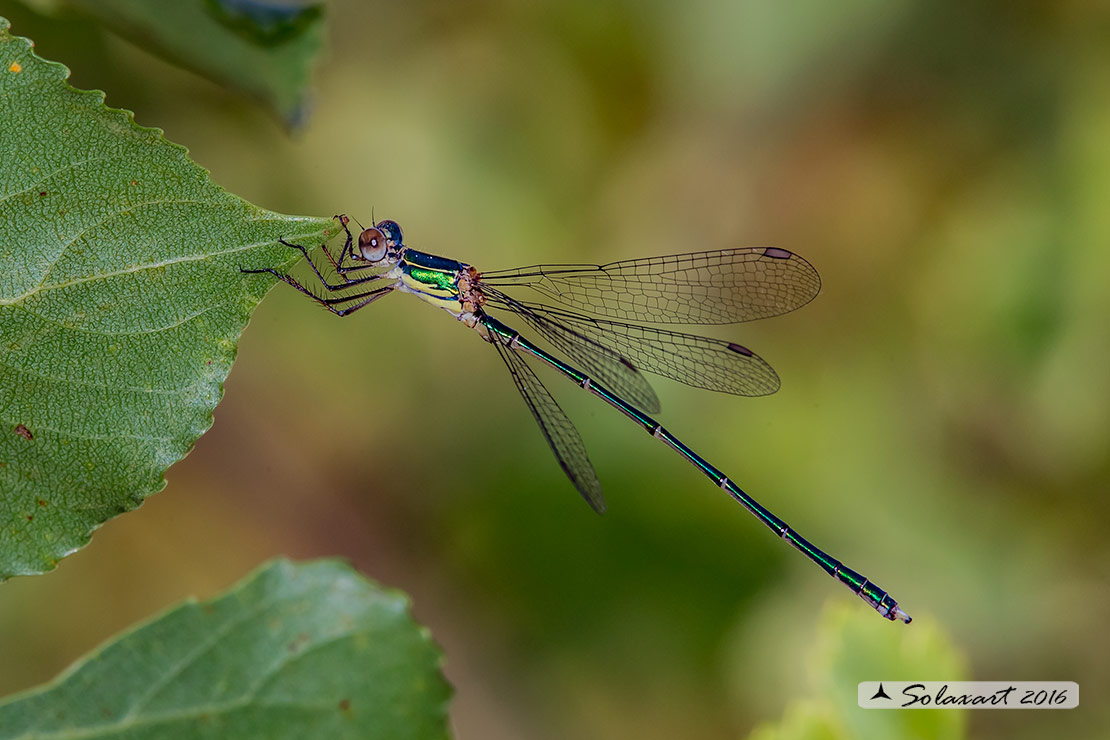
372 244
392 231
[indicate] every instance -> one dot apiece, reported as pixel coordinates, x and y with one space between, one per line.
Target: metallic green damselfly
585 317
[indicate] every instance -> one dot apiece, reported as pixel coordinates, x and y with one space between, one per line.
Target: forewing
723 286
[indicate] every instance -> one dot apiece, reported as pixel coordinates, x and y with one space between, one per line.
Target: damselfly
583 312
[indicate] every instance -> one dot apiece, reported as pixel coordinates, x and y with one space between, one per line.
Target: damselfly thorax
599 317
439 281
442 282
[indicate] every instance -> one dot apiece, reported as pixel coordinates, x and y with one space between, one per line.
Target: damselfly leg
364 298
347 282
345 263
329 303
338 265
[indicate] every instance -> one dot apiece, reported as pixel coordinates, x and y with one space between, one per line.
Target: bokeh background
943 423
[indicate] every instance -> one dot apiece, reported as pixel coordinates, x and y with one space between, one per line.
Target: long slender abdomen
879 599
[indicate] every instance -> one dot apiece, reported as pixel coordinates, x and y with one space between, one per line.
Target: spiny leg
347 245
327 302
344 269
347 282
369 296
347 251
285 279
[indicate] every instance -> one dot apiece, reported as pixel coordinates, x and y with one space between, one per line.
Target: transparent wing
601 361
560 433
702 362
724 286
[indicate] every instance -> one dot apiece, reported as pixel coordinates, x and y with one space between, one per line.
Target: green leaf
263 48
120 304
852 647
294 651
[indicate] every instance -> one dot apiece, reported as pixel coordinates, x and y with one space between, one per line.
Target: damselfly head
392 231
373 245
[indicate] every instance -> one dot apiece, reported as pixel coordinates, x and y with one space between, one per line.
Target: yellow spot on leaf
16 67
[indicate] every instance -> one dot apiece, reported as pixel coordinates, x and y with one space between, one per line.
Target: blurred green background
942 425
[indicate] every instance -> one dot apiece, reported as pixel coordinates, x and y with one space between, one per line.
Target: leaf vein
203 647
142 268
104 386
55 173
94 437
106 219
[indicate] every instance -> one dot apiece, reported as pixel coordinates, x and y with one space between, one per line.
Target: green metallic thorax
424 279
434 279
